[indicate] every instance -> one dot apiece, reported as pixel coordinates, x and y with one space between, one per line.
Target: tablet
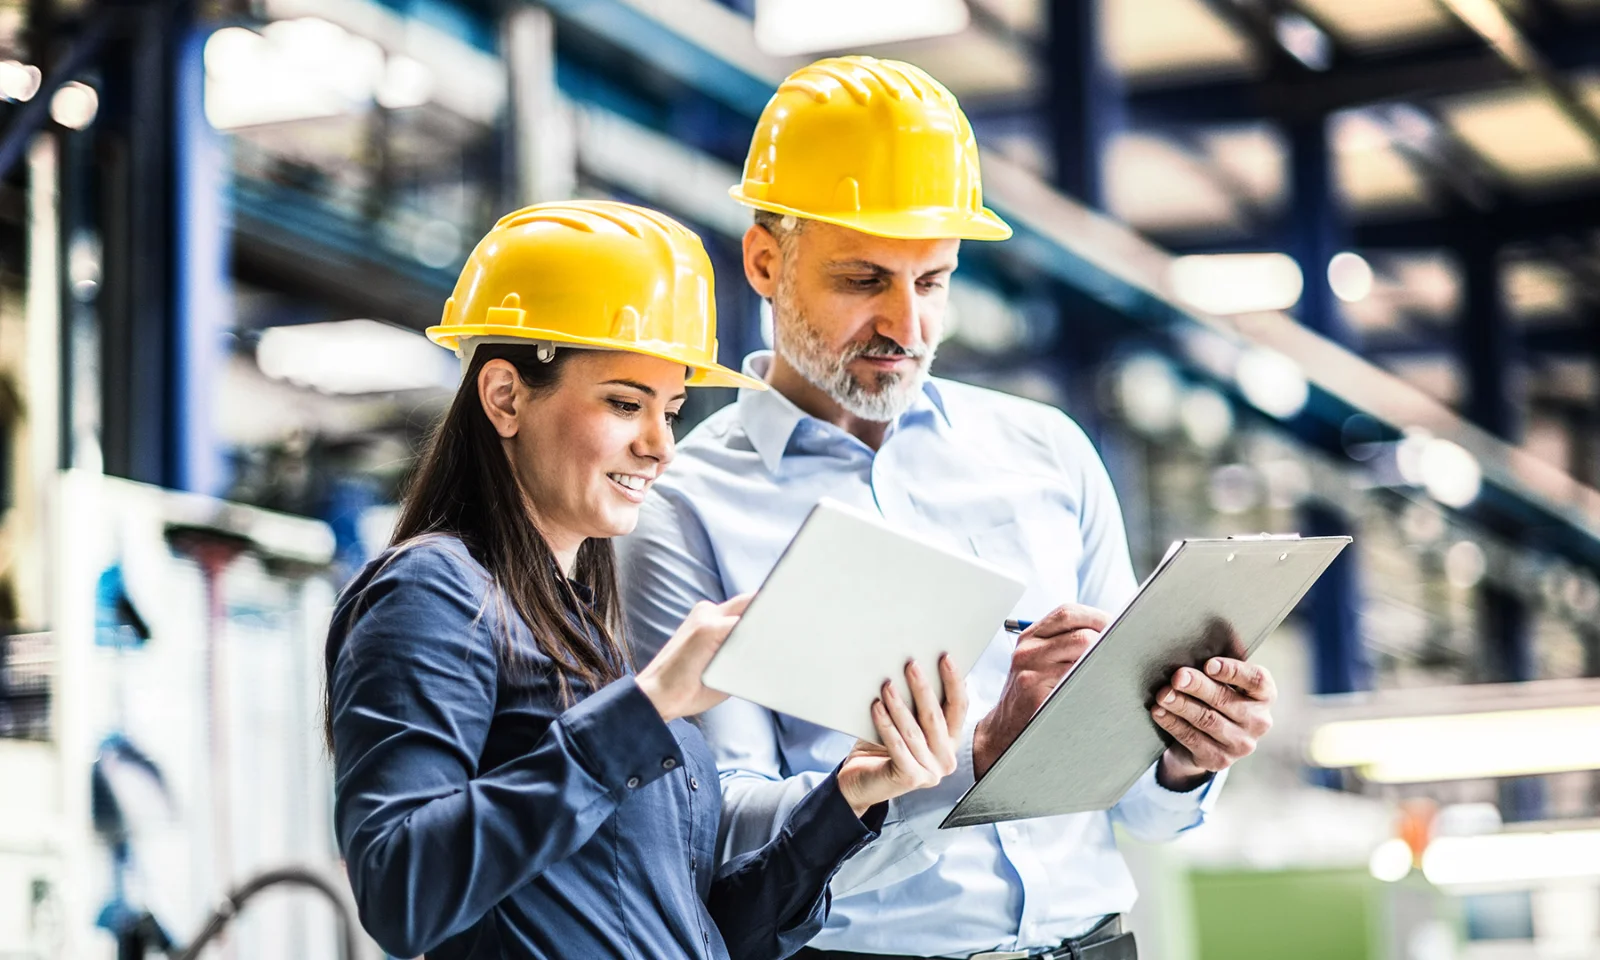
849 602
1094 737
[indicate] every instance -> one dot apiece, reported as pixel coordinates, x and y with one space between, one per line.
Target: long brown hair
464 487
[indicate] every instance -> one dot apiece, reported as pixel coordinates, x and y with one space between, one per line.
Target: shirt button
668 763
694 784
633 783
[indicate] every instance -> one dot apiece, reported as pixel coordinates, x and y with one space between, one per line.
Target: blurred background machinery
1327 266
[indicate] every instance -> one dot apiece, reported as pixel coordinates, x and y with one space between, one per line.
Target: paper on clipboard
1093 737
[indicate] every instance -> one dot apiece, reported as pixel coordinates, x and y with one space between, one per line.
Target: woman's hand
919 741
672 679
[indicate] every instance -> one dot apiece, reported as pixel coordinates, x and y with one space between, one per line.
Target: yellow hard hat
597 274
874 145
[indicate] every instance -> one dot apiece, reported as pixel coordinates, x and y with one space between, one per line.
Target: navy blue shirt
478 817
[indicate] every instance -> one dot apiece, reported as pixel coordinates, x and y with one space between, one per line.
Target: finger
899 753
735 606
1253 680
1207 752
955 695
1219 696
906 722
1057 649
930 718
1229 737
1069 617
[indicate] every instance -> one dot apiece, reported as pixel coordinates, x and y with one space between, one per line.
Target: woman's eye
674 417
626 406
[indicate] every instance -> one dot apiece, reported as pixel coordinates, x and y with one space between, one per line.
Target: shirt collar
770 418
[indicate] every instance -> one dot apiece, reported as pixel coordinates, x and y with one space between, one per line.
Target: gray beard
888 396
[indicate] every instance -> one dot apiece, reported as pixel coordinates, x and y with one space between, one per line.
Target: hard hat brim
704 375
927 223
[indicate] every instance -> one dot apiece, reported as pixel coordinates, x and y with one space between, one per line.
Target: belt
1105 941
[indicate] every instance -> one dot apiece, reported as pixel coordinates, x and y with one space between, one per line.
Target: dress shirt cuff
620 737
830 829
1202 798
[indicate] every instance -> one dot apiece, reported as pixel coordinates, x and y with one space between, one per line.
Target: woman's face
587 452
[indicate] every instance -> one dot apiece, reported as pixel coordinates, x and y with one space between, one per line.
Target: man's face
860 316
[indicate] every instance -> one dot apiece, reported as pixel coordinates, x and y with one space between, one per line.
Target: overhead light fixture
791 28
74 105
1516 857
1350 277
299 69
1303 40
1479 732
19 81
1391 862
1230 283
1148 392
1273 383
354 357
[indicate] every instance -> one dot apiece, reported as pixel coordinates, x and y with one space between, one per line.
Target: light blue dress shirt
1013 481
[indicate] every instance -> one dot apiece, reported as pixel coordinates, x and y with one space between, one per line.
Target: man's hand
1044 654
1217 717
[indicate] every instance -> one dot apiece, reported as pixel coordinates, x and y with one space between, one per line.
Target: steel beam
1410 74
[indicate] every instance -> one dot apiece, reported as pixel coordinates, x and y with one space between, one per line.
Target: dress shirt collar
770 418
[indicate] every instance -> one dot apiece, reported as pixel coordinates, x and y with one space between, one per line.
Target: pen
1017 626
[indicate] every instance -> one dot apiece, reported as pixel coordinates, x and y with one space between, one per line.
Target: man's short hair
785 228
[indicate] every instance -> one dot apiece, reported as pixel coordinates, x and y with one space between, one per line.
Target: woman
506 786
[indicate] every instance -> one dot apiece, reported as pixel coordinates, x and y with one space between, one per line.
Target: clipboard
848 603
1093 737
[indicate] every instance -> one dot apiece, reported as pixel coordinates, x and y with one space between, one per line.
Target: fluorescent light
1350 277
1450 473
1148 394
1273 383
1230 283
74 105
786 28
19 81
1465 564
1392 861
1465 746
1508 858
298 69
1206 417
354 356
1303 40
407 82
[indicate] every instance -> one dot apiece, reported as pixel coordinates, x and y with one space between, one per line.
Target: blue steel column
1315 229
203 306
1488 346
1084 106
1086 102
1313 233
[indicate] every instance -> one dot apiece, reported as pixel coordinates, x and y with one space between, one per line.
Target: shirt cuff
831 831
1201 798
620 737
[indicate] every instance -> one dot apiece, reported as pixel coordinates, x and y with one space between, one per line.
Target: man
864 175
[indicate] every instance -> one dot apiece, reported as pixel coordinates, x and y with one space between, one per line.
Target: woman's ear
497 391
